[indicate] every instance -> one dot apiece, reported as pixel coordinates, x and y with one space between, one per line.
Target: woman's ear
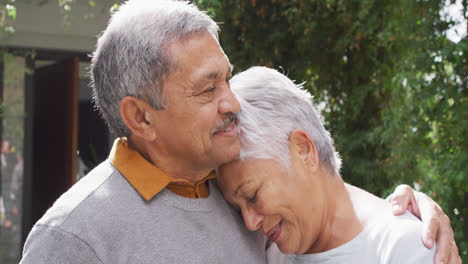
137 116
304 146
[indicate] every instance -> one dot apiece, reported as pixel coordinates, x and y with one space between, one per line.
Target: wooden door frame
31 57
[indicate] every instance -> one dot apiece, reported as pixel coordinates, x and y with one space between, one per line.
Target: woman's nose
252 219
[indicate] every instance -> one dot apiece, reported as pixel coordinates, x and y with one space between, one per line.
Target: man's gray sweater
102 219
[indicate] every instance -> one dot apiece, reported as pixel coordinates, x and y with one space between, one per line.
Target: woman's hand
436 224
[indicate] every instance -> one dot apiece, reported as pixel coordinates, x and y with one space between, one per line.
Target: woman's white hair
131 57
272 106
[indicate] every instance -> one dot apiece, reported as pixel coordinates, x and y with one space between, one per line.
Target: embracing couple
189 135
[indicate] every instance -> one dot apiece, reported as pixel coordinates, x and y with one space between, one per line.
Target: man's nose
228 102
252 219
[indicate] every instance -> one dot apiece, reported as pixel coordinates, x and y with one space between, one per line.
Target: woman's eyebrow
236 191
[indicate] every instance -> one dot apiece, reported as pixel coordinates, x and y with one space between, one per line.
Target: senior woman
286 183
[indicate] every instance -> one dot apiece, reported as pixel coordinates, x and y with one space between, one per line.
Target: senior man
161 82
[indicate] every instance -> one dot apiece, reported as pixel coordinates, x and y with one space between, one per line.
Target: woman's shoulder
395 239
399 238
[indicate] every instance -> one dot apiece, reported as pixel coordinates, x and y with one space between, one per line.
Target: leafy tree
7 17
393 86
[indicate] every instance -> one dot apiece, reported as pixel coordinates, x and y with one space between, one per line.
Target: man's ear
137 116
304 146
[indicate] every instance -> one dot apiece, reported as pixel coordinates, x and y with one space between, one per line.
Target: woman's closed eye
253 197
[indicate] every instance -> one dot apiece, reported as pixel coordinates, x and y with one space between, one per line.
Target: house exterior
50 133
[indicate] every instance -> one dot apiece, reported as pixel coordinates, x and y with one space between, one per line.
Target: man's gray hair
272 106
131 57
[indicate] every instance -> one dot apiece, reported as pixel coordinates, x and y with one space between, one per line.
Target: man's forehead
199 46
199 76
197 72
209 66
213 74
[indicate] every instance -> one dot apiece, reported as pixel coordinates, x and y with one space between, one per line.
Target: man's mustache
229 118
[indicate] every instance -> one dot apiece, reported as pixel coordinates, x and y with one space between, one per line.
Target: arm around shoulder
52 245
408 247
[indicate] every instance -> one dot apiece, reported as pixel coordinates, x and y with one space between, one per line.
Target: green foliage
8 11
11 11
394 86
7 17
12 109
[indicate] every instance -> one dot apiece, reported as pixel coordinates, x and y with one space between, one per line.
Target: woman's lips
274 233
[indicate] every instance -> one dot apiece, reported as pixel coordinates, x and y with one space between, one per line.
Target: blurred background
390 78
